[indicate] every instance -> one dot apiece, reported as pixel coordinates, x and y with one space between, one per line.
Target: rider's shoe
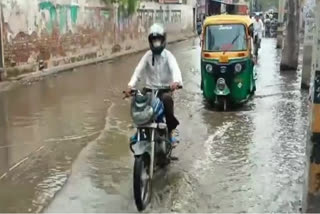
174 138
133 139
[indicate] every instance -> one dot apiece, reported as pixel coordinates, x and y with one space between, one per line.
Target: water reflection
59 114
252 159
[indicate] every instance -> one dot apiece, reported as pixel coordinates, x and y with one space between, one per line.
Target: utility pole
2 69
308 43
311 197
281 26
4 138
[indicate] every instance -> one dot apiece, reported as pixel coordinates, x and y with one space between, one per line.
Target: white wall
186 22
57 31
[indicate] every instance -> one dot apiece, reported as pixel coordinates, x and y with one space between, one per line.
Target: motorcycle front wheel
222 104
142 182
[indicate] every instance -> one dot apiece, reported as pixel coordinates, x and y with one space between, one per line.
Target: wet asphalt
64 143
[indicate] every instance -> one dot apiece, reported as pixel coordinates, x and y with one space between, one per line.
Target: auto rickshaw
227 65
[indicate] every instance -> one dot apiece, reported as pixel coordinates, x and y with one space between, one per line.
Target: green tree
129 6
267 4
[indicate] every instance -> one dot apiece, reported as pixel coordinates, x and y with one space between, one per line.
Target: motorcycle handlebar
132 92
169 88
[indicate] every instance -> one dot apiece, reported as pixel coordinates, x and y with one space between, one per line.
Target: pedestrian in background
199 26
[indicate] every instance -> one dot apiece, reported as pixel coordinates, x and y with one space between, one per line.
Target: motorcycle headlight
209 68
238 67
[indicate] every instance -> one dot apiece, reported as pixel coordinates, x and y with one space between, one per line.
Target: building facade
59 32
214 7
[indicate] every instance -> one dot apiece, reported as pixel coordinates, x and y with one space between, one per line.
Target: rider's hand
128 92
174 86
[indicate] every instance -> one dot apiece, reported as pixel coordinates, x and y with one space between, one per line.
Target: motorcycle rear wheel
164 157
142 182
256 51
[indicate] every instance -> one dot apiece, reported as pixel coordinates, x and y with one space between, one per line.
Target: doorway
194 19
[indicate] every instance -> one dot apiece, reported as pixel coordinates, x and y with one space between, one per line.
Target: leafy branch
128 6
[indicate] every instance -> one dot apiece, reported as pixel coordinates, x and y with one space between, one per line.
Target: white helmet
157 38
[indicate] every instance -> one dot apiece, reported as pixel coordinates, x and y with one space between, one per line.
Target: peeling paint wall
65 31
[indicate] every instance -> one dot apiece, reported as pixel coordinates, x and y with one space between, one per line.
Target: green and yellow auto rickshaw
227 65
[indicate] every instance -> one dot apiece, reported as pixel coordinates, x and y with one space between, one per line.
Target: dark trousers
172 121
257 41
166 97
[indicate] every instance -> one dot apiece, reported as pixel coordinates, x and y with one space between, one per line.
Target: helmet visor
156 43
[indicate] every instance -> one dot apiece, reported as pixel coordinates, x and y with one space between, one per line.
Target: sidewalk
26 79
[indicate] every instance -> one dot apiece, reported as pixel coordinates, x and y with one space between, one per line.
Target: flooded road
64 143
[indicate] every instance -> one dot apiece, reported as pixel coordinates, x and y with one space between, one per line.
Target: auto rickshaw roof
228 19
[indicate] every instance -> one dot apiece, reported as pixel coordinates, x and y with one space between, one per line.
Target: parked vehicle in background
227 62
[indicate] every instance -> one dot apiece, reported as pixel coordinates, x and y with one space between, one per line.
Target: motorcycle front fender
141 148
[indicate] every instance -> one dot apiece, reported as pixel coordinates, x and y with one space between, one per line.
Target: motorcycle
152 147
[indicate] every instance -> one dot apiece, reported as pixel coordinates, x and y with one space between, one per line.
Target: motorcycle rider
267 25
159 68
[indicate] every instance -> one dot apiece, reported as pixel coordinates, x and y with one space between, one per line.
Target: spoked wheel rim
145 184
142 182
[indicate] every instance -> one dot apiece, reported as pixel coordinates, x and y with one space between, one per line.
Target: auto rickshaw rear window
223 38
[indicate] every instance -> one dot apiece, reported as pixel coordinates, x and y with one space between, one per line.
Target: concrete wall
175 17
66 31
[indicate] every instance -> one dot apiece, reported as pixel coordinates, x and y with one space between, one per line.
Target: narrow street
68 149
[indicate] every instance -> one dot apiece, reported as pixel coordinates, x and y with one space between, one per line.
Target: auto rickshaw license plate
223 59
